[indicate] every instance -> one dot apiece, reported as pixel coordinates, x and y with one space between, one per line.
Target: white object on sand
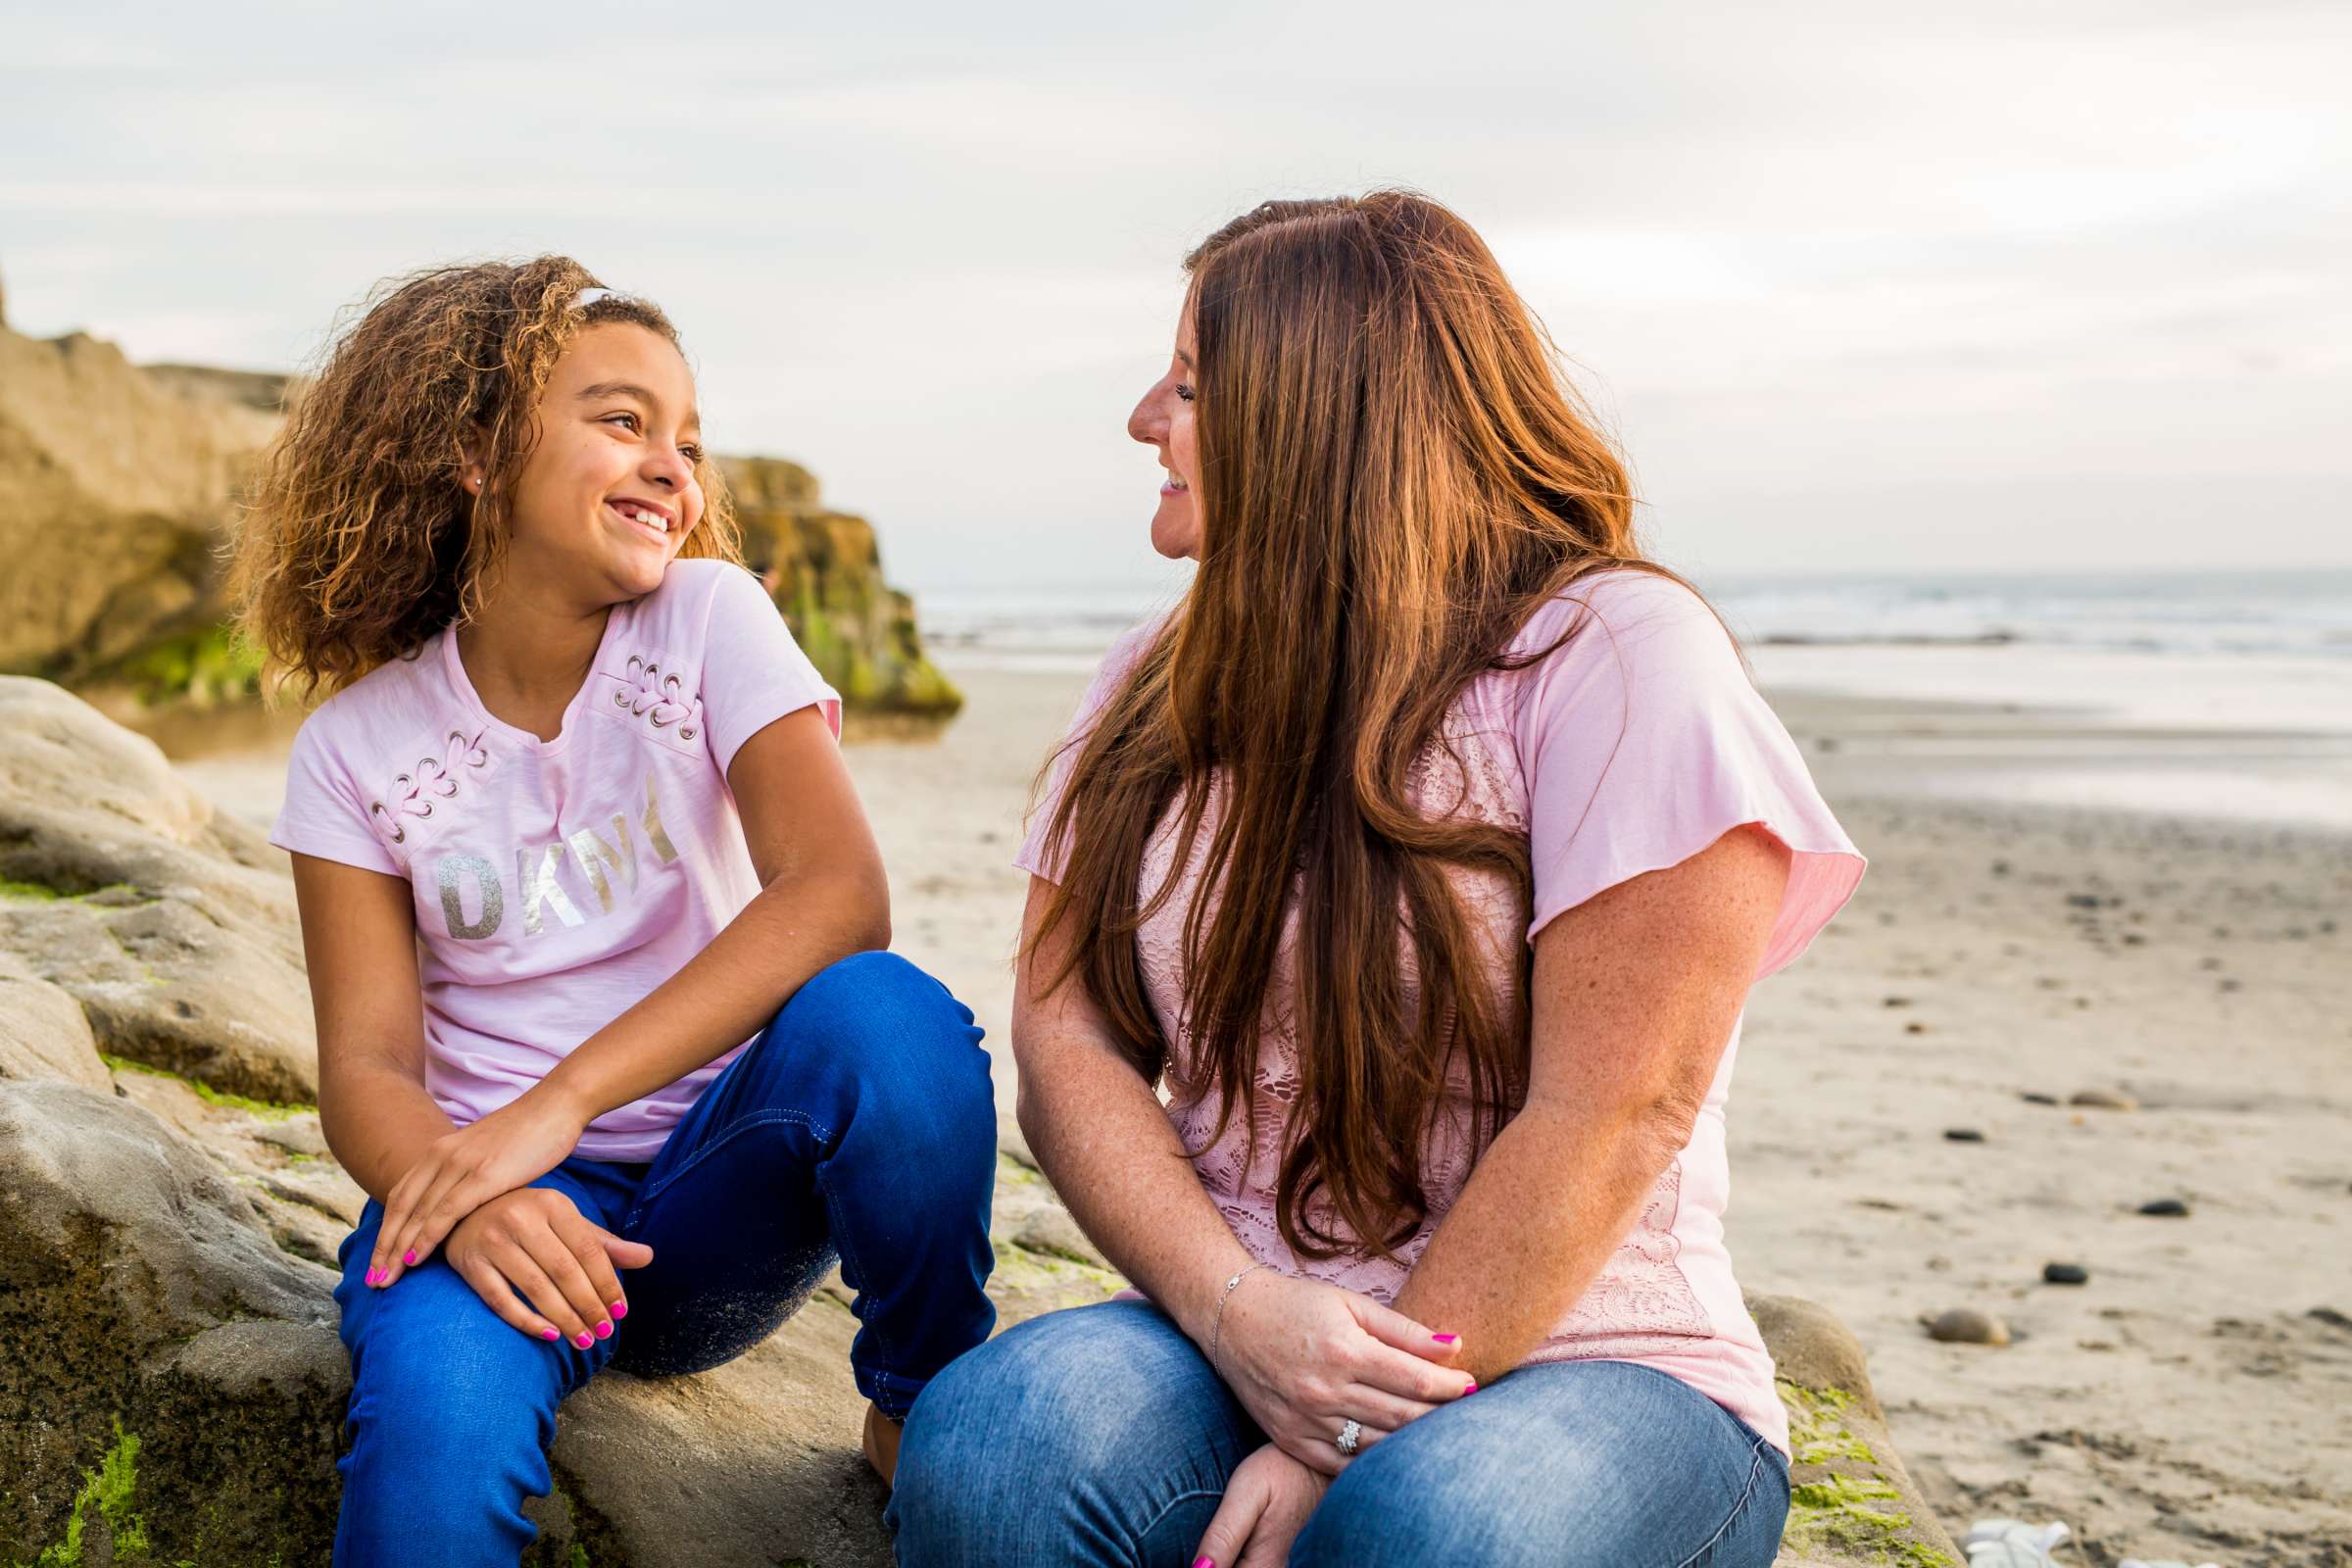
2012 1544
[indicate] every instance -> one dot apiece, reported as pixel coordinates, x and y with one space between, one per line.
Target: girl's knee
429 1352
870 985
910 1046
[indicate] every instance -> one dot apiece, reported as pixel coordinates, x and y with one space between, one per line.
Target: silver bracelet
1217 1324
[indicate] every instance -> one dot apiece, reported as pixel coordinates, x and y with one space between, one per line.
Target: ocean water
2215 695
2223 613
2214 614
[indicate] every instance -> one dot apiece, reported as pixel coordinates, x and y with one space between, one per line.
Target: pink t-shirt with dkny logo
558 882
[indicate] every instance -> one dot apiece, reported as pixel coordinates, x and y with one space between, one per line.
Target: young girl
1426 851
592 916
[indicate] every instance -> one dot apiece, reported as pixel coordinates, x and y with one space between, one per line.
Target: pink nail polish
583 1342
1444 1338
372 1276
620 1309
1205 1562
409 1258
1472 1388
549 1334
604 1330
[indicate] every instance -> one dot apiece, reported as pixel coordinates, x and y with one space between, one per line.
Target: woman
1427 851
590 910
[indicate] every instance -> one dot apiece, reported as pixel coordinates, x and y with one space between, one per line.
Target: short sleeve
753 673
1037 856
323 813
1643 741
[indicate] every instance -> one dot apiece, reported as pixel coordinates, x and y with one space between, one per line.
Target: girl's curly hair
358 541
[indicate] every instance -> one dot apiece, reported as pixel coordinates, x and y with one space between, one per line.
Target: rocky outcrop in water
826 569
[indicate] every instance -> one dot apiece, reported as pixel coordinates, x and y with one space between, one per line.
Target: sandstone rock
1965 1325
119 1242
42 1032
171 926
1852 1502
145 1315
117 489
826 571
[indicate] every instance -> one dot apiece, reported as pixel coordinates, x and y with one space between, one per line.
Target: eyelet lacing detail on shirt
414 794
660 700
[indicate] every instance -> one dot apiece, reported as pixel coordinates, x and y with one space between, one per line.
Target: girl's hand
514 1144
1305 1358
534 1249
1266 1504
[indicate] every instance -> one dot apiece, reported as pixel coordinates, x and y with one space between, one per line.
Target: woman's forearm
726 993
1103 1141
1524 1241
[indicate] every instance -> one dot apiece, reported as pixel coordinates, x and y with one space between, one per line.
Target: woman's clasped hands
1306 1360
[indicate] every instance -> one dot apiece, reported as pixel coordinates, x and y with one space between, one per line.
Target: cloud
1829 263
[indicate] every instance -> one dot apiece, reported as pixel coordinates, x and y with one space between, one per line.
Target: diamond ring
1349 1435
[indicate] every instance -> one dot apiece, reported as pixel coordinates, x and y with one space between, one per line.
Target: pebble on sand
2165 1207
2103 1100
1963 1135
2065 1274
1965 1325
2032 1098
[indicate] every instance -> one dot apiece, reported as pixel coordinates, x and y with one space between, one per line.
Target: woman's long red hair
1393 475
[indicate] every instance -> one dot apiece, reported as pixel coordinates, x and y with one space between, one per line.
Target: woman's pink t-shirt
558 882
1629 748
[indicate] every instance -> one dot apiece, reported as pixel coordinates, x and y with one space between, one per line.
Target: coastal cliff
119 486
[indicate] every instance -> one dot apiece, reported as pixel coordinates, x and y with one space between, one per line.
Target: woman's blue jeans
859 1123
1099 1436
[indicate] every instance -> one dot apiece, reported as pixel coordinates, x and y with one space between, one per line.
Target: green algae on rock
201 665
106 1491
824 570
1850 1501
267 1110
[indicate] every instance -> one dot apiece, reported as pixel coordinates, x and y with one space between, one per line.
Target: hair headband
587 297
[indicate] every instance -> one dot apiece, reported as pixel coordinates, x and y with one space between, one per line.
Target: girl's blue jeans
1101 1436
859 1124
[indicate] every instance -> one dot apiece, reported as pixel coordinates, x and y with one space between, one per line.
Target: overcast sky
1862 285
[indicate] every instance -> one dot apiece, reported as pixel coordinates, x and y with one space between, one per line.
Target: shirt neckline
569 724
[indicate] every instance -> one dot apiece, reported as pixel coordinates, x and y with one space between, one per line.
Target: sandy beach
2003 955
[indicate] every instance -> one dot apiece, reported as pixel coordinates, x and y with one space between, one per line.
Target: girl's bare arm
359 942
823 895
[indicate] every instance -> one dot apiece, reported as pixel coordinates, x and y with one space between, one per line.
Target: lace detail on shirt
659 699
435 779
1640 1294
